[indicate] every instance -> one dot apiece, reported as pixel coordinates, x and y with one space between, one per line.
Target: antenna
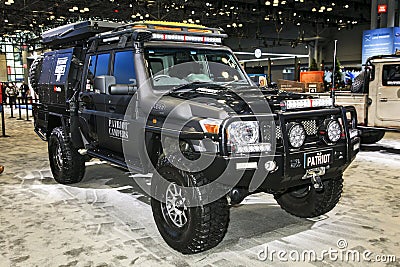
333 75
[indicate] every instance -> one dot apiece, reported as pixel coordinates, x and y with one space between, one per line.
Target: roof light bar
186 38
306 103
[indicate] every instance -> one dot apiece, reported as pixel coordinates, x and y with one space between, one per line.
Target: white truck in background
376 96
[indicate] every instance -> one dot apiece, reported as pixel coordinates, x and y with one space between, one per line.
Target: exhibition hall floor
106 220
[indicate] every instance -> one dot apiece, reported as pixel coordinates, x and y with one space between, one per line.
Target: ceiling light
333 4
314 9
86 9
267 3
329 9
322 7
75 8
346 6
240 25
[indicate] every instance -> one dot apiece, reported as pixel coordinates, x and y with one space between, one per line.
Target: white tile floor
106 221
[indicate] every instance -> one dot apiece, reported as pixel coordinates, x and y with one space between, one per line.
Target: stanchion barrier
12 111
3 120
19 109
27 108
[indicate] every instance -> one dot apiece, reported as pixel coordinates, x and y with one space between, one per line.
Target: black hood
240 99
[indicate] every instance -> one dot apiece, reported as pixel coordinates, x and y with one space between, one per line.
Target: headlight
243 132
334 131
297 135
244 137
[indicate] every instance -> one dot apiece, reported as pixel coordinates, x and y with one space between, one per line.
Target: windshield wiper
192 86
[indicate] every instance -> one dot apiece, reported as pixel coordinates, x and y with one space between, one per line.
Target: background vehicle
158 97
376 96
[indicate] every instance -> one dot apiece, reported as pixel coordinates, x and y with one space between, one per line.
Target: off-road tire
206 225
312 203
67 165
34 73
358 83
371 137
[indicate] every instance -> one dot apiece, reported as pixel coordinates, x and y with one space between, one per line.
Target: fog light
334 131
270 165
297 135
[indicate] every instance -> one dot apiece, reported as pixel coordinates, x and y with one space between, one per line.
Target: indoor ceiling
24 19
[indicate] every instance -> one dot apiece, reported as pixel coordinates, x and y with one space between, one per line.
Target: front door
388 93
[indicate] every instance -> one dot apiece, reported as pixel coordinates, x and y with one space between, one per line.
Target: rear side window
124 69
102 64
391 75
92 65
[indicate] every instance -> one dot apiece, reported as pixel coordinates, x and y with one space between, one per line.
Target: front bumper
231 171
251 172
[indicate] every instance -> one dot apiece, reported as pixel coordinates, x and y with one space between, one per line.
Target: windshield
173 67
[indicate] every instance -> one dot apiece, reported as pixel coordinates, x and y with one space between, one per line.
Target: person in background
24 90
11 92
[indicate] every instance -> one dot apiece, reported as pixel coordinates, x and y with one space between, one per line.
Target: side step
117 162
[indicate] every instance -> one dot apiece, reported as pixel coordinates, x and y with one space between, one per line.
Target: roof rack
164 27
75 32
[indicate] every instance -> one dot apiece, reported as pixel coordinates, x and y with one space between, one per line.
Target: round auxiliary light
297 135
333 131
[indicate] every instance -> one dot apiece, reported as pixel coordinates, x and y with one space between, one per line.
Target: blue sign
379 42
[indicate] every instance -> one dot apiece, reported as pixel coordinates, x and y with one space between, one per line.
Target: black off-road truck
170 99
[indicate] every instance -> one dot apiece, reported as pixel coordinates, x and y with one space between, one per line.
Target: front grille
310 127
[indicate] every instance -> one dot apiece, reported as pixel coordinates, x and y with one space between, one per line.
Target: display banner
383 41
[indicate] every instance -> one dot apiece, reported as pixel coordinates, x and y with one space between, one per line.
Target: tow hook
317 183
315 175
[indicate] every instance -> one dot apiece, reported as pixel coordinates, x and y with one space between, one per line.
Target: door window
391 75
124 69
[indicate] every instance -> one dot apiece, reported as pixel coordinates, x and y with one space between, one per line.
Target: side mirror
123 89
102 83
